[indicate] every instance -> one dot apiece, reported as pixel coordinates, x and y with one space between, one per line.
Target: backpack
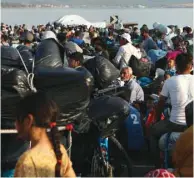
141 67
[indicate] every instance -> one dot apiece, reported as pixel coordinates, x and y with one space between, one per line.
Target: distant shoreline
96 7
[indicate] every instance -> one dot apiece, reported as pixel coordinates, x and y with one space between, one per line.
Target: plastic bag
108 113
49 54
69 88
14 80
10 57
103 71
141 67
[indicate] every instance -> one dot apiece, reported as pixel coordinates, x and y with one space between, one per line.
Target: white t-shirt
180 89
126 51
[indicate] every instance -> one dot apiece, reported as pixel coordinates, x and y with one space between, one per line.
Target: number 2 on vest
134 118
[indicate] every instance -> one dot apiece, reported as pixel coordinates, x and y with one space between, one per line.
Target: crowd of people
143 57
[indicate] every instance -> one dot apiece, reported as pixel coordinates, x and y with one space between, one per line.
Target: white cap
127 37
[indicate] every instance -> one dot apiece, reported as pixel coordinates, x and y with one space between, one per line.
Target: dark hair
110 33
144 29
100 42
61 37
135 28
4 37
44 111
183 61
77 33
189 114
77 56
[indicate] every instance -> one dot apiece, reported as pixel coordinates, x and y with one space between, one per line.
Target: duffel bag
14 80
10 57
108 113
49 54
69 88
103 71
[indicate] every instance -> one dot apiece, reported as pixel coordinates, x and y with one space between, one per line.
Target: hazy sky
106 2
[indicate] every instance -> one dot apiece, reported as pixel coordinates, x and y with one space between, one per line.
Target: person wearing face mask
126 50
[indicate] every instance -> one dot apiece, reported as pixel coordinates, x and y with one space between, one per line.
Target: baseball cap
126 36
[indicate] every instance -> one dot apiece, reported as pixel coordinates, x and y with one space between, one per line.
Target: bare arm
160 107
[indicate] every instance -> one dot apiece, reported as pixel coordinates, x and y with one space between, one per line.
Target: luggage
134 128
108 113
156 55
69 88
10 57
49 54
9 102
14 80
103 71
144 81
27 55
141 67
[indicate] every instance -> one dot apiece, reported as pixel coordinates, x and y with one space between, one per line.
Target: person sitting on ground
47 157
148 42
77 39
136 92
126 50
180 90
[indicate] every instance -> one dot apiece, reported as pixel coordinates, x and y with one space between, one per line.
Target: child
47 157
171 67
171 57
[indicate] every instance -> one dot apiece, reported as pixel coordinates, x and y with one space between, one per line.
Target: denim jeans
156 131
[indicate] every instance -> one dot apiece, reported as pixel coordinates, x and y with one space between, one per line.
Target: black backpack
141 68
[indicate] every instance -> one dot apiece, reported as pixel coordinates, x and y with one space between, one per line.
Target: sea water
30 16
